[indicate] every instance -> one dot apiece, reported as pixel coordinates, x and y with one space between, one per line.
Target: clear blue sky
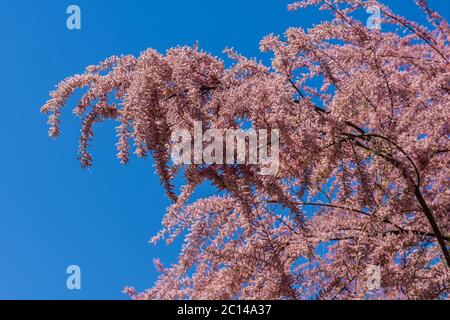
54 214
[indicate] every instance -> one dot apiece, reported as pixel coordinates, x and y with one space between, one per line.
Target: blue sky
54 214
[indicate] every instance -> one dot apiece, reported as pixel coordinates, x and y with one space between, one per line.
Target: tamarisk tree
363 177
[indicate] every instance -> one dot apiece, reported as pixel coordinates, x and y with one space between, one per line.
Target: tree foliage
364 162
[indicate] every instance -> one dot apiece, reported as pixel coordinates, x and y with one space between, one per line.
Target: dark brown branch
300 93
427 211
